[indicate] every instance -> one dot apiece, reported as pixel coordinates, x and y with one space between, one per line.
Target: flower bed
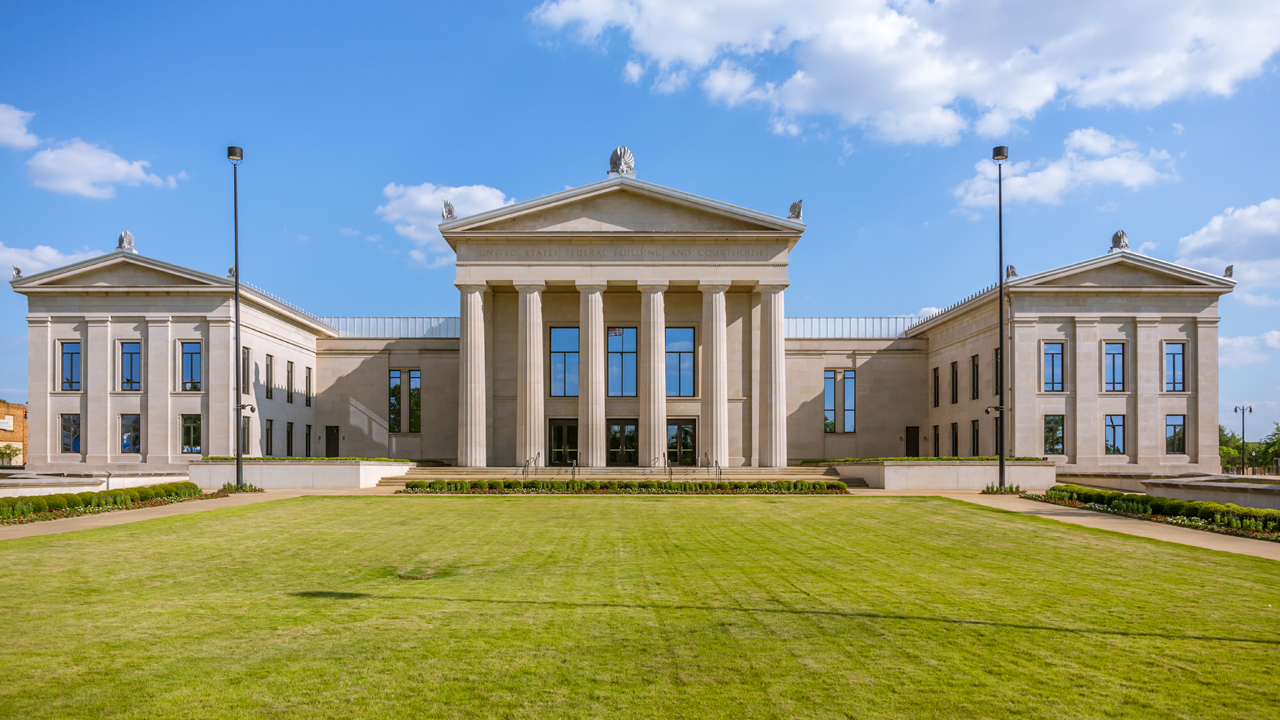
623 487
36 508
919 459
1229 519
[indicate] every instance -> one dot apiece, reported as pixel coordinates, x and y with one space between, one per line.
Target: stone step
618 472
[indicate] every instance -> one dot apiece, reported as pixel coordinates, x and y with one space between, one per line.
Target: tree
8 453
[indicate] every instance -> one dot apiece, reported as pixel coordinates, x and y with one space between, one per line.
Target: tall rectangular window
1175 434
955 383
268 437
244 435
130 366
288 381
937 442
997 372
415 401
245 381
974 362
622 362
1055 434
1113 367
829 401
191 366
935 387
71 366
1113 434
130 433
271 377
998 433
1173 357
955 439
191 434
850 399
564 362
393 403
288 439
308 390
307 443
679 362
70 433
973 438
1053 357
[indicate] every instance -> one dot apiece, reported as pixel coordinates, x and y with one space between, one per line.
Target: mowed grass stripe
630 607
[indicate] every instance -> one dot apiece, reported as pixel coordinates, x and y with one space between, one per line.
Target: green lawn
667 607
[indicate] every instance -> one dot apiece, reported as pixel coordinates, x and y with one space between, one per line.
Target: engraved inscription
571 252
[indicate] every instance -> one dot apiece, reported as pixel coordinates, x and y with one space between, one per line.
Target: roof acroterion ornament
1119 241
1229 272
448 213
1010 272
17 272
797 211
622 162
125 242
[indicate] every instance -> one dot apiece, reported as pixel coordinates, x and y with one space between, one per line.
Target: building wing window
288 439
1175 434
71 366
130 366
850 400
680 362
829 401
997 374
191 366
622 362
564 362
1054 434
415 401
1053 356
191 434
70 433
955 383
955 439
393 403
308 388
245 382
937 442
271 378
1113 367
935 387
268 437
306 444
1113 437
974 362
288 381
244 435
973 438
131 434
1173 356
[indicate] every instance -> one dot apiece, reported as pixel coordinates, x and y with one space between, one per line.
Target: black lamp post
999 154
236 155
1242 409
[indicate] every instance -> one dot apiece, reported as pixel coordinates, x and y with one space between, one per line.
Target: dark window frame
683 358
975 384
849 392
268 437
829 401
69 430
131 366
308 390
937 442
130 445
394 401
936 392
1053 366
70 377
1175 440
288 439
1175 379
997 371
307 443
1113 374
1113 437
192 366
1055 444
955 439
270 376
415 401
621 358
246 366
288 381
975 437
955 382
567 358
189 431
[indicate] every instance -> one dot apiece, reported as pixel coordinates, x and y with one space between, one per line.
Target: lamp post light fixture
999 155
236 156
1242 409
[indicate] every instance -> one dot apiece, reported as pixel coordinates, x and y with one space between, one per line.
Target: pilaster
1148 374
714 440
773 425
591 369
1087 382
1205 388
653 374
472 397
96 363
531 422
157 383
43 434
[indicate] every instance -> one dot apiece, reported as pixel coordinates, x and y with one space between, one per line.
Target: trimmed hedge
17 507
270 458
1169 507
918 459
624 486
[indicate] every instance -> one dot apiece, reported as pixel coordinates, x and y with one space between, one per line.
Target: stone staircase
605 474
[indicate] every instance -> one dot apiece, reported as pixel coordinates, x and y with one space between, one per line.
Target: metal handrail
718 475
573 470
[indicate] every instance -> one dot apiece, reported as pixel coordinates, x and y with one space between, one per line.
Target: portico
624 254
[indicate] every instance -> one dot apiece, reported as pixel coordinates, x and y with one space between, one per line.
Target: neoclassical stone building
623 323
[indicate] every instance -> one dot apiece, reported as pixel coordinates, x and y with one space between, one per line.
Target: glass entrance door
563 440
682 446
623 442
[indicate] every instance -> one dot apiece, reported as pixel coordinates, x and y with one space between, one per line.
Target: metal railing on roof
840 328
955 305
395 327
280 301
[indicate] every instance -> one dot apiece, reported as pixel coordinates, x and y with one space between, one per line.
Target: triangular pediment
120 270
622 205
1124 270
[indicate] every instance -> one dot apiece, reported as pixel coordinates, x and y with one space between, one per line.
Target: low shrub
513 484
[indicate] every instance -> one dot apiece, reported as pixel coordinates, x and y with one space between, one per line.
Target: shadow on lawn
830 613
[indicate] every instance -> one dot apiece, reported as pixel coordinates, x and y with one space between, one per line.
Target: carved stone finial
1229 272
1119 241
448 213
797 212
17 272
125 242
1010 272
231 273
622 162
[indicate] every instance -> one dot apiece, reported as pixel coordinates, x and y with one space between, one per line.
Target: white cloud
1146 247
632 72
1178 128
926 312
1247 349
76 167
415 212
923 71
1248 238
1090 156
13 128
349 232
40 258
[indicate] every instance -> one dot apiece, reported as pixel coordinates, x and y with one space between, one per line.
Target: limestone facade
620 323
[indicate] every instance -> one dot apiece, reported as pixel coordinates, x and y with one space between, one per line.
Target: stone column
1202 381
157 376
1086 378
773 385
99 432
1147 371
471 378
530 418
653 374
714 430
44 429
591 375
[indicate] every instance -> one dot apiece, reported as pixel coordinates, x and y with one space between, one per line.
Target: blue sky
1157 119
